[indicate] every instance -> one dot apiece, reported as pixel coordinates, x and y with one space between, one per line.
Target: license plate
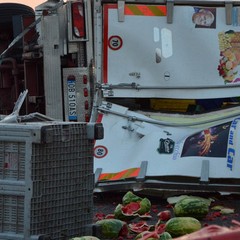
72 103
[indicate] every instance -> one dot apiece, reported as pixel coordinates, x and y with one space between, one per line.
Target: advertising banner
177 150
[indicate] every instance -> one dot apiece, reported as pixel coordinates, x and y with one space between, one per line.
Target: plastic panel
47 187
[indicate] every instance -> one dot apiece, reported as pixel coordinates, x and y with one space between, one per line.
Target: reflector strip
85 80
87 118
145 10
86 105
85 92
128 173
99 118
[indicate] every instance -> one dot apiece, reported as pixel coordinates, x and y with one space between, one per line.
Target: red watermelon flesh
131 208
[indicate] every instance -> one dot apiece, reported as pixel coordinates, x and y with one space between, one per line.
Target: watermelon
178 226
85 238
111 228
191 207
164 215
165 236
133 209
139 227
147 235
130 197
145 206
174 200
121 213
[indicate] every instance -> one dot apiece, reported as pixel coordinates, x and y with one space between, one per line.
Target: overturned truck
161 76
167 75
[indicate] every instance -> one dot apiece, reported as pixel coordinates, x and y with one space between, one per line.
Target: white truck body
153 50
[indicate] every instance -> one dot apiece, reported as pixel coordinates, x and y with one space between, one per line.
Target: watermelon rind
118 214
175 199
145 206
130 197
226 211
147 235
165 236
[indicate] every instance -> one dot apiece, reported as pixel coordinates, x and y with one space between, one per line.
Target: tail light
78 19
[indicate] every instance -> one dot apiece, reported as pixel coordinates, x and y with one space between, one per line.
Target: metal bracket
228 10
205 171
121 7
170 6
143 170
97 6
95 131
97 175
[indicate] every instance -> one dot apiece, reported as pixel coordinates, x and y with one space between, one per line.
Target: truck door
144 55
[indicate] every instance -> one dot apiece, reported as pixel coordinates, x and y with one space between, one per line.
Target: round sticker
100 151
115 42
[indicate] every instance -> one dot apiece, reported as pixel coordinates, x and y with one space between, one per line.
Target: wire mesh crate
46 179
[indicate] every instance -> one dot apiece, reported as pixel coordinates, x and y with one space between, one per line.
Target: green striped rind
179 226
152 239
109 228
191 207
130 197
145 206
165 236
146 235
85 238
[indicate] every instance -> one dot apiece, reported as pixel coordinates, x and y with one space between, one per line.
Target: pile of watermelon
181 221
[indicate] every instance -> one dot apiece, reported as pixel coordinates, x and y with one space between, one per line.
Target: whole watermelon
191 207
165 236
179 226
111 228
85 238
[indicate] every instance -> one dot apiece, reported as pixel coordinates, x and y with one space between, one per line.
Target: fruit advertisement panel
211 142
